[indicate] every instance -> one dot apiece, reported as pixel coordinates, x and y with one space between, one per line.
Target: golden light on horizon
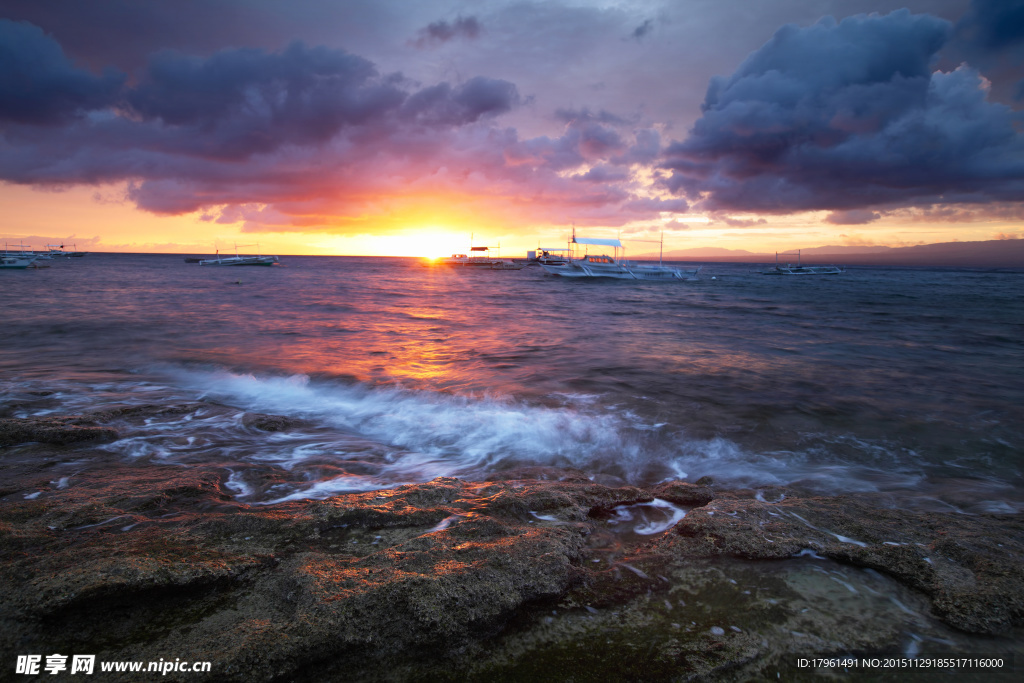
427 242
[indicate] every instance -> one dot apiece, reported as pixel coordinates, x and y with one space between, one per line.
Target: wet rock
687 495
135 561
52 430
362 576
971 566
541 473
271 423
144 410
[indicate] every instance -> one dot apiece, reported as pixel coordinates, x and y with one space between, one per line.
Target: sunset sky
392 127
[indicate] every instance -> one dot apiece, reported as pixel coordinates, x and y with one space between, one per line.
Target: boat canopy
593 240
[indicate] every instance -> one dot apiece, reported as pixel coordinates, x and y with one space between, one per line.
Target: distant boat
548 255
17 260
800 269
612 266
57 251
480 257
237 260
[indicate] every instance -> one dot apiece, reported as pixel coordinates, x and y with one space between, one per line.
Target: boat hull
621 272
17 262
805 270
264 261
480 263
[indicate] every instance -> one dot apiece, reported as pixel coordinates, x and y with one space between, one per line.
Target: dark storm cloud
38 84
240 102
440 32
123 33
849 115
477 98
308 132
993 24
230 106
584 141
990 36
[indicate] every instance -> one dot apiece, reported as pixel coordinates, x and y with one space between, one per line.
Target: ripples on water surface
901 380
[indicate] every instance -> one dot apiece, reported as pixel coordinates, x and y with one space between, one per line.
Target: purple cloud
740 222
440 32
847 115
475 99
307 134
38 83
642 30
852 217
993 24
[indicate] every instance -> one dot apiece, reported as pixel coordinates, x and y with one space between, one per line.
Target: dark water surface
909 381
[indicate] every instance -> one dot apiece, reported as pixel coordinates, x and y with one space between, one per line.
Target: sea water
908 381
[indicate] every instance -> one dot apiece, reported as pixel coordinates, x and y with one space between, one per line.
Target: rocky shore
532 575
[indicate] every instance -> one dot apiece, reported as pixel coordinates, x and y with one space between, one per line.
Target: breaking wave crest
420 435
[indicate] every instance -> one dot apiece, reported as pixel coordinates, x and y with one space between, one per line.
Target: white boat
479 257
17 262
57 251
612 266
548 255
17 259
800 269
238 260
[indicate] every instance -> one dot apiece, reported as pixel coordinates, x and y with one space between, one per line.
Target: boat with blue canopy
614 266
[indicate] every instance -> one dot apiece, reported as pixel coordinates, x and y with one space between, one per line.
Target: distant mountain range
990 254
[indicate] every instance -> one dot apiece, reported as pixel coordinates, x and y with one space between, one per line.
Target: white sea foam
332 487
672 515
238 485
430 434
433 425
397 435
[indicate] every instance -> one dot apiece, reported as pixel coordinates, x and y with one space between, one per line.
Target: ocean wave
351 436
425 434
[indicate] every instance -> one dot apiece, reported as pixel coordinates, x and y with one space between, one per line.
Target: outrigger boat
237 260
479 257
800 269
548 255
612 266
57 251
17 262
17 259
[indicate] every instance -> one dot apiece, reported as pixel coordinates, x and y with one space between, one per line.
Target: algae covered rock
494 578
52 430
